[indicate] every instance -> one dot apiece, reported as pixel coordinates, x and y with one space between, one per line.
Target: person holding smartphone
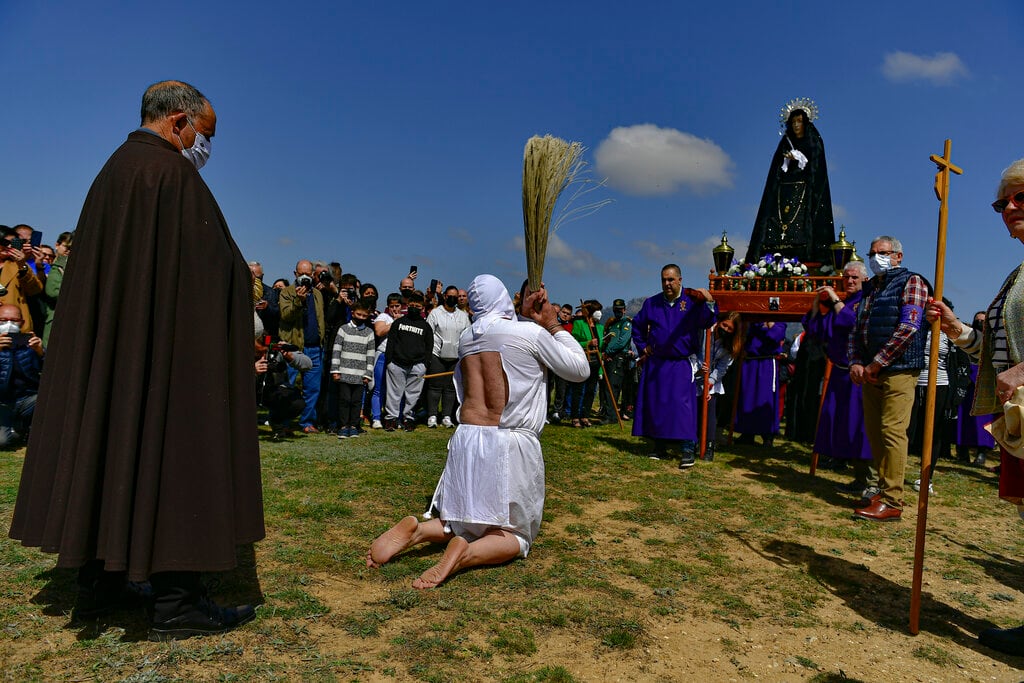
17 281
21 360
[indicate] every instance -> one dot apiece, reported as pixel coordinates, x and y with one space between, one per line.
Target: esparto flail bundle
550 164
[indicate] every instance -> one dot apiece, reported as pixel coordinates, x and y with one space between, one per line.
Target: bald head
304 267
12 313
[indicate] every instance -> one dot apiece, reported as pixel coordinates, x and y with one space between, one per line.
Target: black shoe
202 618
686 460
1006 640
979 461
409 425
390 425
769 441
709 452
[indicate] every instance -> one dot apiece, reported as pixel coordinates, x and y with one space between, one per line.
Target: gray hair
897 246
858 266
169 97
319 264
255 263
1012 175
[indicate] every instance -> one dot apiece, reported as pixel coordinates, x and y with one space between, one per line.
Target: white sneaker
432 421
917 486
377 424
447 422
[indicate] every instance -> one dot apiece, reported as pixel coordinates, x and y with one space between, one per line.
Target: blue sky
383 135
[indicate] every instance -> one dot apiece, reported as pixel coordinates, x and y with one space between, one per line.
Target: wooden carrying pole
942 194
600 361
706 394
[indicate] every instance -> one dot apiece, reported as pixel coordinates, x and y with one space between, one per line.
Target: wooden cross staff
942 194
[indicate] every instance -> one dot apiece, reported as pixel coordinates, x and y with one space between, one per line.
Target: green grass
630 547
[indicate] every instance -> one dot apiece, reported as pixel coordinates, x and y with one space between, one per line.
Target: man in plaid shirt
886 356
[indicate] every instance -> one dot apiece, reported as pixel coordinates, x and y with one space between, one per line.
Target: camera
325 278
276 361
350 293
304 281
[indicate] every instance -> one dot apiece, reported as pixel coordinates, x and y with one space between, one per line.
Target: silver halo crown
805 103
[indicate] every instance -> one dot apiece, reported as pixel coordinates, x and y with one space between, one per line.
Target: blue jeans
15 416
377 399
310 385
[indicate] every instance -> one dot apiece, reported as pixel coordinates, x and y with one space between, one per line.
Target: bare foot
449 563
391 542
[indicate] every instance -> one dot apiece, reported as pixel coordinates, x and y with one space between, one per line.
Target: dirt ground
856 631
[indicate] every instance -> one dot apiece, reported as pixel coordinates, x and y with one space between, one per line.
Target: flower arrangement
768 266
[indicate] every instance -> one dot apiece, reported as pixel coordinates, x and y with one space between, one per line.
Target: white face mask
596 316
879 263
8 327
199 152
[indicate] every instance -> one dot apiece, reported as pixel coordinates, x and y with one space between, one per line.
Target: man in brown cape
143 462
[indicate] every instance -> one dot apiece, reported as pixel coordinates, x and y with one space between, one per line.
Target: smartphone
20 338
37 238
17 243
413 269
433 286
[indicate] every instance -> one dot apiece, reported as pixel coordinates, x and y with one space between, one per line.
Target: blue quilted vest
885 316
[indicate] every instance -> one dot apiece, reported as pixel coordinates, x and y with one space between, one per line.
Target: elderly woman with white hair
999 350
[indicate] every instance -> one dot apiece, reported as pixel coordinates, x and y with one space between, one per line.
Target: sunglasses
1017 198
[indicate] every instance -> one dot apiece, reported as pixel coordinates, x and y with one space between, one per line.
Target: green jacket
293 307
581 332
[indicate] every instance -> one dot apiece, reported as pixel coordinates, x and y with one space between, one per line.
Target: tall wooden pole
706 394
942 194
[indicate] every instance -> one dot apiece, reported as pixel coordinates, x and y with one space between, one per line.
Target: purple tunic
758 410
970 429
841 427
666 404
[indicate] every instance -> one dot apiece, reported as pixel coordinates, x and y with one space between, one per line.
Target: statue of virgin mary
795 216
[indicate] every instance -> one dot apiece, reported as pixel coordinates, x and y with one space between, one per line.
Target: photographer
274 391
21 359
302 325
17 281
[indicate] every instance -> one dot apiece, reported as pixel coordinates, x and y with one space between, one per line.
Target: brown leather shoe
878 512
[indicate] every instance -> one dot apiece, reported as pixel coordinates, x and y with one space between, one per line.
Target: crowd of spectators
334 356
30 279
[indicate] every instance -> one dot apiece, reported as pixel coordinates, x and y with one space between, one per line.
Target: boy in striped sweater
352 366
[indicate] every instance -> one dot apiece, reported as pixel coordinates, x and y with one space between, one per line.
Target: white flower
761 263
750 275
762 271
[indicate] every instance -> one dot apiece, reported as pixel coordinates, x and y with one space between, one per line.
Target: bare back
484 389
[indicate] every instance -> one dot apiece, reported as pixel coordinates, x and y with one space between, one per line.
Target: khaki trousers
887 407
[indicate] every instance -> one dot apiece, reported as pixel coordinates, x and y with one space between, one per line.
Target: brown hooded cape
143 451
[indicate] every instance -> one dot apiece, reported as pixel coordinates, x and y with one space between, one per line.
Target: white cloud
942 68
462 235
839 213
648 160
571 260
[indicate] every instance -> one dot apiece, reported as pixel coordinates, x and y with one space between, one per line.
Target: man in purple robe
970 429
666 331
758 409
841 434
